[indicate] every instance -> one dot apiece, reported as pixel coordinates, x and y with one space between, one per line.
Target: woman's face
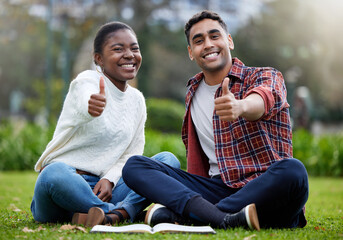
120 58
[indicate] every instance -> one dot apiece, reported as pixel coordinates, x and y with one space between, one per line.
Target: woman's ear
98 59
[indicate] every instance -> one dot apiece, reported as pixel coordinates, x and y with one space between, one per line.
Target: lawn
324 212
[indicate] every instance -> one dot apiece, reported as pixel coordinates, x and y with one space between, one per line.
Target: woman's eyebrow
116 44
121 45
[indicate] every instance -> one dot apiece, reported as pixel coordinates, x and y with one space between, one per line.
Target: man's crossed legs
279 194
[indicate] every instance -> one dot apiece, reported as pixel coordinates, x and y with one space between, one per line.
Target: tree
21 50
300 38
166 66
138 14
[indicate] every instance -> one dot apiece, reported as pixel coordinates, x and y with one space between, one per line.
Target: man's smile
211 55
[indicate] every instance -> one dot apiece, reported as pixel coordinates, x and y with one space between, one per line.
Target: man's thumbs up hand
227 107
225 86
97 101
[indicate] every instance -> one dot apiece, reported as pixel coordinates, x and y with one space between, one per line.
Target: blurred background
44 44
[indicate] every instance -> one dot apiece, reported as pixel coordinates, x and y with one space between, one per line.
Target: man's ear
190 53
231 45
98 59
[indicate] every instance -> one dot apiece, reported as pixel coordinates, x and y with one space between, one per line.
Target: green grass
324 212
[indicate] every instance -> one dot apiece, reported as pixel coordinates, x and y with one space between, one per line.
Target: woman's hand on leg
103 189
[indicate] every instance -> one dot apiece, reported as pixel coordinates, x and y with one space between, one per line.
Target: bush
156 142
39 99
21 144
164 115
321 155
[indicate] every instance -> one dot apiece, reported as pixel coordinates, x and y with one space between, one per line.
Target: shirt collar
196 79
237 70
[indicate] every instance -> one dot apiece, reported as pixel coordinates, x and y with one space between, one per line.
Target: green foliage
323 211
164 115
24 45
21 144
37 102
156 142
321 155
166 66
22 49
292 36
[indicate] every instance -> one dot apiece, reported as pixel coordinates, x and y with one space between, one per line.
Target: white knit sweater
99 145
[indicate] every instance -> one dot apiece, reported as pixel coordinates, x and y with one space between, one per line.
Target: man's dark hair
201 16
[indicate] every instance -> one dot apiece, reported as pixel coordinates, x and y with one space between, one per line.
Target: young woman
101 125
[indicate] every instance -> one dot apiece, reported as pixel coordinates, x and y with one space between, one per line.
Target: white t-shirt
202 108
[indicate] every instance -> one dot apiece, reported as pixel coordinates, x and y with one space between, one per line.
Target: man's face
210 46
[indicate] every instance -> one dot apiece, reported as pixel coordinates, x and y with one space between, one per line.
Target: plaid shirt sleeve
269 84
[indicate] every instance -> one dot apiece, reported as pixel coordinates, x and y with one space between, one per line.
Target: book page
161 228
133 228
168 227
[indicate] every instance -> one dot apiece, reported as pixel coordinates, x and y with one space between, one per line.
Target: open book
161 228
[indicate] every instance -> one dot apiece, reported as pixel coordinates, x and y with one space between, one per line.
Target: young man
238 137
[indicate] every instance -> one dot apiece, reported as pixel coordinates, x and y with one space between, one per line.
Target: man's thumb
102 86
225 86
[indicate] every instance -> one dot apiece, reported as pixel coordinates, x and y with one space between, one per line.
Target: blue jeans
60 191
279 194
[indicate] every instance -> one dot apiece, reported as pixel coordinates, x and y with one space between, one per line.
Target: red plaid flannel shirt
244 149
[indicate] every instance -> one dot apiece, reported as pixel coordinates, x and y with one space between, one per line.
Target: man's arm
253 107
228 108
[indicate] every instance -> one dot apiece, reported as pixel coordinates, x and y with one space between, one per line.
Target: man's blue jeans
60 192
280 193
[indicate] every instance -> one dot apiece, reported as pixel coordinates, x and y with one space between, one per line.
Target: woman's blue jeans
60 191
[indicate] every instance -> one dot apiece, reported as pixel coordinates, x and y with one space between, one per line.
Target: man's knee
295 168
133 164
294 172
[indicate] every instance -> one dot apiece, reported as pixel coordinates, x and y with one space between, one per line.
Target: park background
44 44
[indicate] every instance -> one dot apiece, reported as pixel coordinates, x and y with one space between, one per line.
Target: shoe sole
150 213
79 218
251 216
95 216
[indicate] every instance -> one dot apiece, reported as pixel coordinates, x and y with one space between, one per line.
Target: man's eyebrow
213 31
196 36
209 32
